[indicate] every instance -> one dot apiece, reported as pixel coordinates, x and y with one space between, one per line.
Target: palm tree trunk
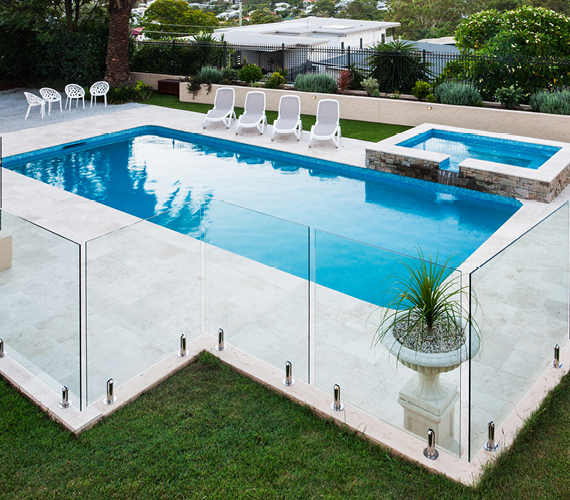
118 71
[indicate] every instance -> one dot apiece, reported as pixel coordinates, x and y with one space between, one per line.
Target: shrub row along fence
395 70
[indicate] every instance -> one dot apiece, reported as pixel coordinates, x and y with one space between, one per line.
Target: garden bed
402 111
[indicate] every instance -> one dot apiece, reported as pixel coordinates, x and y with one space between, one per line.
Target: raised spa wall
542 184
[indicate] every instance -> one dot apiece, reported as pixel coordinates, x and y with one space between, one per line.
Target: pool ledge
542 184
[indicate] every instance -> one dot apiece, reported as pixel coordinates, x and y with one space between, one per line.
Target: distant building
273 43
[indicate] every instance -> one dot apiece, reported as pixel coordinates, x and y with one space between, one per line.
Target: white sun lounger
327 126
254 112
223 110
289 119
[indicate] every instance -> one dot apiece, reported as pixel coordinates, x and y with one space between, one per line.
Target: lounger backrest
255 102
225 98
290 106
328 111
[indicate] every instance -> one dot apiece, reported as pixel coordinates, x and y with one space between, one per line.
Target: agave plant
424 307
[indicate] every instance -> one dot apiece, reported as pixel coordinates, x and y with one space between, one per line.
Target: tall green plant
424 305
397 66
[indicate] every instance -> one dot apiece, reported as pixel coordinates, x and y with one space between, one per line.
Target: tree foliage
529 31
418 17
166 18
325 8
263 16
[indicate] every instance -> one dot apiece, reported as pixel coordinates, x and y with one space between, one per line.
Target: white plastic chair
49 96
289 118
99 89
254 112
34 100
328 125
74 91
223 107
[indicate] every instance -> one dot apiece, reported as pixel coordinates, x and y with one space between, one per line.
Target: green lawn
365 131
209 432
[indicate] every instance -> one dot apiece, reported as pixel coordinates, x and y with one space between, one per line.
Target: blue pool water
320 220
461 146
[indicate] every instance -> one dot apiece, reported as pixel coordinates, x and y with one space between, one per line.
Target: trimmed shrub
421 90
557 103
209 75
229 75
509 97
250 73
460 94
314 82
122 93
275 81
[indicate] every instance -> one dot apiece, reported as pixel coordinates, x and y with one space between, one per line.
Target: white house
304 45
341 33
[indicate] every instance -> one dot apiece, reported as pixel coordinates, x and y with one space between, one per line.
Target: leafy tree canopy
531 31
49 14
176 17
263 16
362 9
325 8
418 17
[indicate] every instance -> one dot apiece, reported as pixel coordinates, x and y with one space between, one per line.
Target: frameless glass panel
257 270
357 289
143 293
520 307
40 303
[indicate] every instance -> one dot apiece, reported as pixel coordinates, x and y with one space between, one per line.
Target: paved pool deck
247 292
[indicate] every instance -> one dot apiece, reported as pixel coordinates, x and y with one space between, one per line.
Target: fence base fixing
110 398
288 380
64 403
221 346
491 444
556 361
183 352
430 451
337 404
2 351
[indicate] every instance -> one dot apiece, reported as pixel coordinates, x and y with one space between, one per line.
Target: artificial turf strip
354 129
209 432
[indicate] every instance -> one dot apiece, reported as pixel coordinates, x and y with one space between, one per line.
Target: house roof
238 37
310 26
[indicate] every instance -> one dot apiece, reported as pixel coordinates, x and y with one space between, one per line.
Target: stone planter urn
428 401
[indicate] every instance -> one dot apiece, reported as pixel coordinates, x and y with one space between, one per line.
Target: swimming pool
271 206
460 146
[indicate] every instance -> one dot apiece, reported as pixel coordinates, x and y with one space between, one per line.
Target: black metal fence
487 73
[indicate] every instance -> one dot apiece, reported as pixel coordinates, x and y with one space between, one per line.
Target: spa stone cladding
402 165
476 179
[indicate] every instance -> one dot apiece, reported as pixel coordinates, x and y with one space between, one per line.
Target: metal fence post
510 69
348 58
283 57
225 54
173 64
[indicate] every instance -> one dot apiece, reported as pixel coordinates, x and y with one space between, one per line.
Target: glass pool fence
77 315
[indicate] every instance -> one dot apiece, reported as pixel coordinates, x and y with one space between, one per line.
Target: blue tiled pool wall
269 154
542 152
477 139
